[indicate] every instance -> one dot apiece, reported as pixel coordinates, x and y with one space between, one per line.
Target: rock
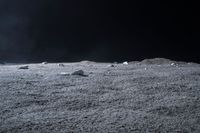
111 65
61 65
24 67
172 64
125 63
79 73
44 63
64 74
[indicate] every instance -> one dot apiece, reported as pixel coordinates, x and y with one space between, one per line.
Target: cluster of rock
82 73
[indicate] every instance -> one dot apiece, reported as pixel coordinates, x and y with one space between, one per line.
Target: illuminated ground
153 96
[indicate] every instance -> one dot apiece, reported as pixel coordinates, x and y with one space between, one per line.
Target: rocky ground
152 96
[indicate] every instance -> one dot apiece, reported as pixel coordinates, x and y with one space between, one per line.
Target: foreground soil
152 96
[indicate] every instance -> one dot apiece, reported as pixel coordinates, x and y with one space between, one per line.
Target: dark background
98 30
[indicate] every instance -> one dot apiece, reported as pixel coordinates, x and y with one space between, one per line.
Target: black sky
99 30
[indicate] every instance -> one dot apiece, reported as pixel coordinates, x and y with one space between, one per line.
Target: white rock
64 74
125 63
44 63
172 64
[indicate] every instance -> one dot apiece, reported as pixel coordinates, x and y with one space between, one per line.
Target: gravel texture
152 96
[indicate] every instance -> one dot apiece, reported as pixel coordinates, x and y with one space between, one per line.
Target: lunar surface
151 96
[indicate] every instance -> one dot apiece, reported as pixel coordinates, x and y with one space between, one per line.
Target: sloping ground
151 96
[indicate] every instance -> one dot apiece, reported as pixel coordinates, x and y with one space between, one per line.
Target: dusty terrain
152 96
